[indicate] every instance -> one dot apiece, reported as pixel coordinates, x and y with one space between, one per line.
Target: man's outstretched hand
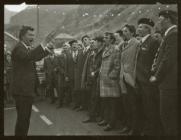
49 40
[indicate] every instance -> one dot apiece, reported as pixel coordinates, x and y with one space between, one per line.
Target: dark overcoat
167 62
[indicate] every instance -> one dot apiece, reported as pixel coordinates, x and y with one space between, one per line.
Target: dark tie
29 48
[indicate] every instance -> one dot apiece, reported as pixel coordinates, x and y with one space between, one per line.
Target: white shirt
27 47
86 48
74 53
170 28
144 38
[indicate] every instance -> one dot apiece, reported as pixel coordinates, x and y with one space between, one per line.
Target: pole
37 21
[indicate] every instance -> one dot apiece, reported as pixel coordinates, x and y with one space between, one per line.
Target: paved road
47 120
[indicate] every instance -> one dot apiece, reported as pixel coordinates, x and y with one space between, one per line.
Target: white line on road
46 120
35 108
9 108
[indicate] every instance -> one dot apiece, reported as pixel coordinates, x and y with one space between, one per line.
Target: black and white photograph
90 69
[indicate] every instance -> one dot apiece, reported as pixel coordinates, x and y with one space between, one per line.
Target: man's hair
112 37
172 15
85 36
131 28
99 39
24 30
73 41
120 32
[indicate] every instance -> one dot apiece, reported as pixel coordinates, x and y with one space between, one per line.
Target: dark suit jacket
59 63
69 66
167 62
24 71
145 59
73 69
78 69
92 64
48 67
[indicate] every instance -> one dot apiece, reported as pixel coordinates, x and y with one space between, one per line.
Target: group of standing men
130 75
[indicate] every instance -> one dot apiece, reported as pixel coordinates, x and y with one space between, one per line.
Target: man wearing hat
149 92
74 72
165 71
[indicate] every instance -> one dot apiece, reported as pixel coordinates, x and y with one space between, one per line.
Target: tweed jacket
109 73
128 64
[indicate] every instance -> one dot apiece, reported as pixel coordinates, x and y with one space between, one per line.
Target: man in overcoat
109 81
165 72
148 91
49 77
90 77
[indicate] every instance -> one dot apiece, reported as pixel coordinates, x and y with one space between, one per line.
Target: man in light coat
109 81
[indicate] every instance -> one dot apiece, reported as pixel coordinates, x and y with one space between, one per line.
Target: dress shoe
89 120
102 123
75 107
59 106
52 101
108 128
124 130
80 109
134 133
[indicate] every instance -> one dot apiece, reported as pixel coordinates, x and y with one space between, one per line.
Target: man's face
142 30
107 38
86 41
162 23
74 46
127 33
29 37
95 44
118 37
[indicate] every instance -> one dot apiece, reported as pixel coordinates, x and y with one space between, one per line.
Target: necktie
74 56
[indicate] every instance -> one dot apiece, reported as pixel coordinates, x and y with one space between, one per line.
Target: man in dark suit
149 92
24 75
59 63
90 77
85 93
74 72
165 72
49 77
69 75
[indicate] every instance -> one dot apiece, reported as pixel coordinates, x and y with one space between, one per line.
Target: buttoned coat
109 73
145 59
128 64
167 63
23 69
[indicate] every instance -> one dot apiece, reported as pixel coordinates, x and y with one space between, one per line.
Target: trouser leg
23 108
169 111
150 98
113 111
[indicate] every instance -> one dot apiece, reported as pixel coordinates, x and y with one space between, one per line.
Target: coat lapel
144 45
107 52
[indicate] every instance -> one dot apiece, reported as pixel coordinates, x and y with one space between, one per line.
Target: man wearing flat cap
149 92
165 71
